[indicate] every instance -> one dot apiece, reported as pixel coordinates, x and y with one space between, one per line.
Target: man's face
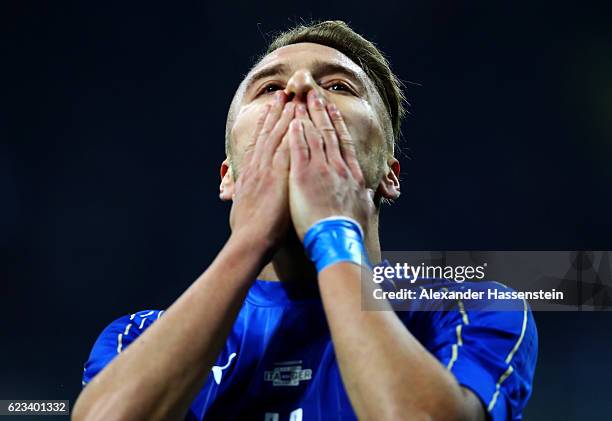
302 67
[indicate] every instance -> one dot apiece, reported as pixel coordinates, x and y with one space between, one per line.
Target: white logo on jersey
218 371
287 375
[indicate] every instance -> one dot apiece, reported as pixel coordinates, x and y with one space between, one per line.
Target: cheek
363 125
244 126
368 135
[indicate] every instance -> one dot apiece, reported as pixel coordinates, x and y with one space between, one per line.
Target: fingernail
289 107
333 110
316 99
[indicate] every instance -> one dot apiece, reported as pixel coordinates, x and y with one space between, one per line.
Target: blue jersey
278 363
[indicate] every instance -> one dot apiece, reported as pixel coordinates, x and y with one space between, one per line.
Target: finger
250 147
276 136
273 115
299 153
301 112
315 142
347 147
281 157
320 118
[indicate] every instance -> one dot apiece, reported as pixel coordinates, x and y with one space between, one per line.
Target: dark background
112 134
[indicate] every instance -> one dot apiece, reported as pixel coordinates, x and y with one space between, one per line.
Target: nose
298 86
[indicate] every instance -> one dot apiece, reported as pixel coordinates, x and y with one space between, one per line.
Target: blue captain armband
335 239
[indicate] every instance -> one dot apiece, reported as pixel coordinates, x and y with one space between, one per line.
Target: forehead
306 54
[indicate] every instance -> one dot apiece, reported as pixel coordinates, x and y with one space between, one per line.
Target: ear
389 186
226 188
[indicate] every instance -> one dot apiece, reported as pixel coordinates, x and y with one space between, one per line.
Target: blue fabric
284 360
335 240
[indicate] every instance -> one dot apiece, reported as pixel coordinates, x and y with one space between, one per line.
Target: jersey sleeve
490 351
116 337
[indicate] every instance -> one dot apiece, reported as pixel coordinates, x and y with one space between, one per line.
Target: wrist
334 240
256 246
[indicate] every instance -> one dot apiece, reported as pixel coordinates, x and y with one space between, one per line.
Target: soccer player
274 329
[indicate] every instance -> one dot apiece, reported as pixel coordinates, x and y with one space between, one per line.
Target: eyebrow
319 68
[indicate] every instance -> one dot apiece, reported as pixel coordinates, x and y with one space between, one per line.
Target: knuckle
341 169
295 127
261 120
327 129
265 132
347 149
315 142
323 169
